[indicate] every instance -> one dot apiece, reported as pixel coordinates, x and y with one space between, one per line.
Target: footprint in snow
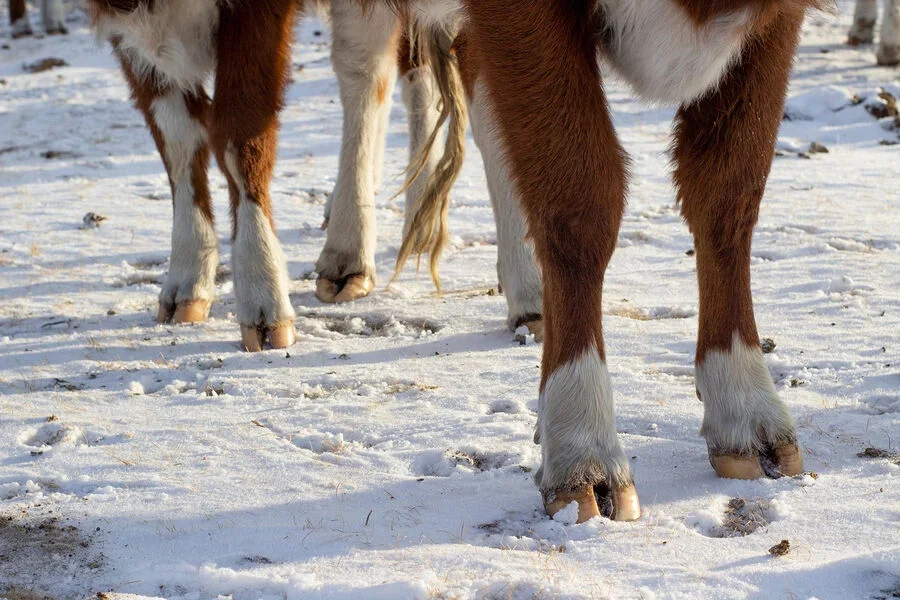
739 518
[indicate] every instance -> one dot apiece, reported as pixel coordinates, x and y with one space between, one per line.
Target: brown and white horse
533 72
863 29
53 15
169 48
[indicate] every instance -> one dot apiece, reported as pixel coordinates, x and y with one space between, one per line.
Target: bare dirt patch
37 547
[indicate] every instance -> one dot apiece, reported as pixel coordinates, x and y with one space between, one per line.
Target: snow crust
389 453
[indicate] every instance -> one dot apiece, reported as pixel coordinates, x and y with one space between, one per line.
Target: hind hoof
353 288
737 466
788 459
587 502
280 336
192 311
626 506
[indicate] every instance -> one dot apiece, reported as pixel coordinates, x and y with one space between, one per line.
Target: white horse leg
863 29
517 268
364 58
889 48
53 13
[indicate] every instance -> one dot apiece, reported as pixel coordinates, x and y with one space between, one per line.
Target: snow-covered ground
389 453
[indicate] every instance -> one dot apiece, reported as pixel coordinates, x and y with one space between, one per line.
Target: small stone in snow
92 220
782 548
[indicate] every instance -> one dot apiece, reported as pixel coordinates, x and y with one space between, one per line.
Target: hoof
164 313
587 502
326 290
354 288
280 336
536 328
854 41
788 459
357 286
737 466
625 504
192 311
535 325
59 29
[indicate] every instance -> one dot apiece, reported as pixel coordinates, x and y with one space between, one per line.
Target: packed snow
389 453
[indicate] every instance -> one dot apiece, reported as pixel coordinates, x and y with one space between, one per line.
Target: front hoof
587 502
536 328
190 311
787 459
626 506
535 325
352 288
280 336
736 466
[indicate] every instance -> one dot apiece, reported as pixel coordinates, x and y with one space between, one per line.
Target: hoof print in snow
55 433
509 407
444 464
741 517
651 313
893 457
335 326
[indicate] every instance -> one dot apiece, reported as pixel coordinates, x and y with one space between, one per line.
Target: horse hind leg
365 60
18 19
53 14
864 17
888 53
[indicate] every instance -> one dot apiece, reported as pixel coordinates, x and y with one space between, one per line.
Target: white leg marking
421 97
260 270
384 121
53 13
22 26
663 54
889 46
577 427
742 410
195 253
864 17
516 265
364 59
174 40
